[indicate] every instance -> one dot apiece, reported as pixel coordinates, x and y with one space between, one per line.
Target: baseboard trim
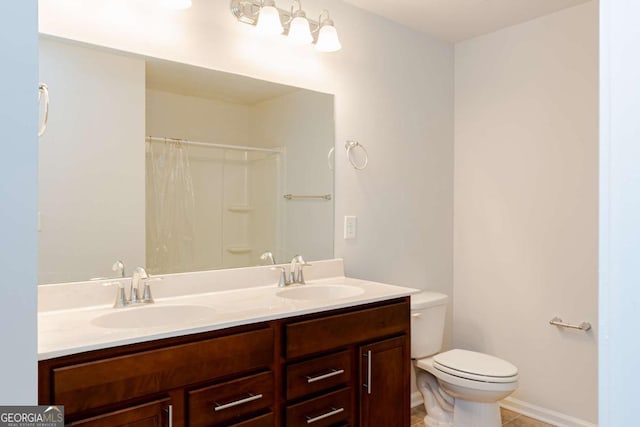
547 415
416 399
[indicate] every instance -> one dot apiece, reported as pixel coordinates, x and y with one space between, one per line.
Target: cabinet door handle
250 398
169 415
368 383
333 373
332 412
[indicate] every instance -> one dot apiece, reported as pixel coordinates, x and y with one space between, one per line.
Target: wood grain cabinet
192 371
383 378
347 367
152 414
222 403
325 382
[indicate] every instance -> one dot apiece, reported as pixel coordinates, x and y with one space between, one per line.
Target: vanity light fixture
299 30
269 19
328 40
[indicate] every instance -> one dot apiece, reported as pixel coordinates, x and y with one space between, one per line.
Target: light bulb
328 38
269 21
299 31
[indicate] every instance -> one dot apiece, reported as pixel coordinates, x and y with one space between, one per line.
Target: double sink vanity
229 348
221 347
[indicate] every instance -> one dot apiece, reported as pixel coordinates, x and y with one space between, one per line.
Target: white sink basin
153 315
320 292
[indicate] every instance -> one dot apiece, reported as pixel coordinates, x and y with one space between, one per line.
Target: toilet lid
475 366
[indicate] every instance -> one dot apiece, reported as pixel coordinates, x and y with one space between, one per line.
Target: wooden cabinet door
151 414
385 383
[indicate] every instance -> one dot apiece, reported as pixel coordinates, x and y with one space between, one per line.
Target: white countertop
68 331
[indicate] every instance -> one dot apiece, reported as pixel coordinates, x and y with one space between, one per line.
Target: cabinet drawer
151 414
326 333
318 374
265 420
222 403
327 410
90 385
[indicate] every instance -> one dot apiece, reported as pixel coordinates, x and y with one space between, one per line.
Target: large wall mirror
177 168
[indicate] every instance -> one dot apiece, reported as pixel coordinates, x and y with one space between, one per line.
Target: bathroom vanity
330 362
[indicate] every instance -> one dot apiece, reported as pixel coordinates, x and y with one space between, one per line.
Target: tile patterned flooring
509 419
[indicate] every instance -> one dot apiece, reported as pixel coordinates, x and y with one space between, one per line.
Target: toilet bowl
460 388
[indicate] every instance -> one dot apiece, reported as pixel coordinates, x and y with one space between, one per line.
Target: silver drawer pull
250 398
169 416
368 384
332 412
333 373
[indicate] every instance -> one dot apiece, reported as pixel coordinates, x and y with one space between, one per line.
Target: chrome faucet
136 295
268 257
282 281
118 267
295 271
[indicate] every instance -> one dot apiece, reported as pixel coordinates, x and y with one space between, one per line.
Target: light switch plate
350 227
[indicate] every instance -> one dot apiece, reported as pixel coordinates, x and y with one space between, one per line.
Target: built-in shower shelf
237 250
240 208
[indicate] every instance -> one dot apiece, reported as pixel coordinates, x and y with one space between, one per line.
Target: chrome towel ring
349 146
331 158
43 95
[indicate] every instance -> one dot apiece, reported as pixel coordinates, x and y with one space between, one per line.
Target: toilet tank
428 312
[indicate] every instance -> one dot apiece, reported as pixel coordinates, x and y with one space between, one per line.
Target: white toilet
461 388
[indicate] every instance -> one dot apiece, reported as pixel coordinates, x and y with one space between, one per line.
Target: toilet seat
475 366
461 380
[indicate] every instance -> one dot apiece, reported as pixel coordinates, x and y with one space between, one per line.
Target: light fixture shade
328 40
177 4
299 31
269 21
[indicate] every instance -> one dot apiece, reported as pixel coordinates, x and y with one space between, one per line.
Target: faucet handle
139 274
121 296
118 267
282 282
268 257
133 295
146 297
300 278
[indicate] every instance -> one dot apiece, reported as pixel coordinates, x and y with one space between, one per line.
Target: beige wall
526 204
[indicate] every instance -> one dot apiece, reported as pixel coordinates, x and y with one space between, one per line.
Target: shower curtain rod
212 144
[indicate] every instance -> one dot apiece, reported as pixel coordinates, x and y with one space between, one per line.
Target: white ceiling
456 20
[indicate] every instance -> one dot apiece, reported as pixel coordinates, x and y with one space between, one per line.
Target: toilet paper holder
556 321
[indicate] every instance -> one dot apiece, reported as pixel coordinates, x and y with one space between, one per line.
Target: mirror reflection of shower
209 205
101 192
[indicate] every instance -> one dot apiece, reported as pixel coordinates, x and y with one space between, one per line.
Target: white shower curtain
170 210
